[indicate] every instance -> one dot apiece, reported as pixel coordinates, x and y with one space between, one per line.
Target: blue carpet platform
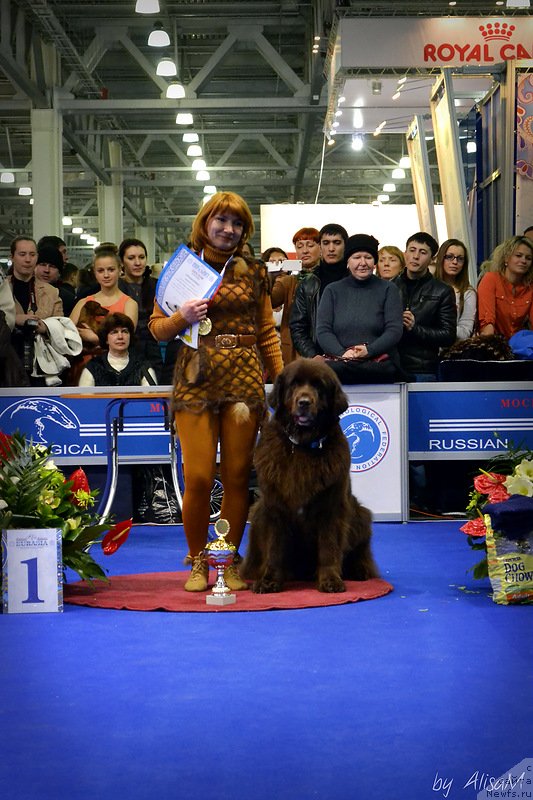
423 693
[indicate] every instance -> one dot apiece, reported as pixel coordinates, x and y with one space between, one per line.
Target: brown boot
198 579
232 577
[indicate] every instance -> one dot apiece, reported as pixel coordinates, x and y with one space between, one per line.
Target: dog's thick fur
306 524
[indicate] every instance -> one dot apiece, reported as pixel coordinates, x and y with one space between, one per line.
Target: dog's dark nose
304 402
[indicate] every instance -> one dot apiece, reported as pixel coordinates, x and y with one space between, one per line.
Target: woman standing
106 268
391 261
359 319
451 266
138 284
307 245
505 294
218 388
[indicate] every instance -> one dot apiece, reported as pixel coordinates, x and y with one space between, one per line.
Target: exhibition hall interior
170 173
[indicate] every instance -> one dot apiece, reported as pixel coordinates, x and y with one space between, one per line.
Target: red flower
5 446
116 537
498 494
487 481
474 527
79 484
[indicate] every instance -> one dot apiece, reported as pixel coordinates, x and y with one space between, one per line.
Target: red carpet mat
163 591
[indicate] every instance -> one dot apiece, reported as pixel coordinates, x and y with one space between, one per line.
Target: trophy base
220 599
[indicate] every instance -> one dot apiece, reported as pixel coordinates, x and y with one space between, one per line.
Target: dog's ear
340 401
275 396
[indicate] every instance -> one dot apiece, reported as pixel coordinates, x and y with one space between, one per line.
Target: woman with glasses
451 267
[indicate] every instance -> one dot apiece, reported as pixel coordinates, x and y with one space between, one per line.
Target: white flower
3 504
49 464
516 484
14 479
525 469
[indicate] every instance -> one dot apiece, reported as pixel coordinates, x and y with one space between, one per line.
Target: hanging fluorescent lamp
190 137
158 37
147 7
184 119
77 230
25 191
398 173
389 187
166 68
66 221
357 142
405 162
194 150
471 147
175 91
198 163
383 198
202 175
210 189
7 177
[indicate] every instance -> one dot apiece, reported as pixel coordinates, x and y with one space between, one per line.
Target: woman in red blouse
505 294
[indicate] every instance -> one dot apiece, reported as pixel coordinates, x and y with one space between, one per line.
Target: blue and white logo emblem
40 418
368 437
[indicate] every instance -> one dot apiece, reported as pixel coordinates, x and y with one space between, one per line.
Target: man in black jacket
430 313
332 267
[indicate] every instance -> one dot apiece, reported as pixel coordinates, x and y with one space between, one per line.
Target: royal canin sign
495 45
429 42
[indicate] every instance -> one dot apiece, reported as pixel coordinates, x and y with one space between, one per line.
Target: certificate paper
184 277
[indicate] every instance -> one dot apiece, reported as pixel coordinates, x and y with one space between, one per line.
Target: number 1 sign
32 574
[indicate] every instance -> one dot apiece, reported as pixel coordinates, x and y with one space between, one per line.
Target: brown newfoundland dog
306 524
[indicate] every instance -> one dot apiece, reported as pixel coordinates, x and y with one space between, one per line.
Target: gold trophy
220 554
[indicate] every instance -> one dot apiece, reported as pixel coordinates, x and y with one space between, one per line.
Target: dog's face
307 396
92 315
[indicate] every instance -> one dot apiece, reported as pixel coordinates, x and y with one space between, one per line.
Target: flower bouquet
507 475
35 494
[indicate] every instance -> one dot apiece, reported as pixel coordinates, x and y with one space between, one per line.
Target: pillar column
110 200
146 233
47 172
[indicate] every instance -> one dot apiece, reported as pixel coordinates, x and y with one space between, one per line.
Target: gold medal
204 326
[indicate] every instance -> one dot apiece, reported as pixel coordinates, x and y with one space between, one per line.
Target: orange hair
218 204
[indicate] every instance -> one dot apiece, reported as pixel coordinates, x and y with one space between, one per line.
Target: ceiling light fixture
331 142
166 68
405 162
357 118
210 189
398 173
77 229
471 147
184 119
396 95
7 177
175 91
147 7
66 221
158 37
380 127
389 187
32 201
194 150
383 198
357 142
376 87
518 3
198 163
190 137
202 175
25 191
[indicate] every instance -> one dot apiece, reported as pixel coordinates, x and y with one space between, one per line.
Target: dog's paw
265 586
333 583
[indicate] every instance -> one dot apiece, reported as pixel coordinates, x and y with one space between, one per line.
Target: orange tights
198 435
